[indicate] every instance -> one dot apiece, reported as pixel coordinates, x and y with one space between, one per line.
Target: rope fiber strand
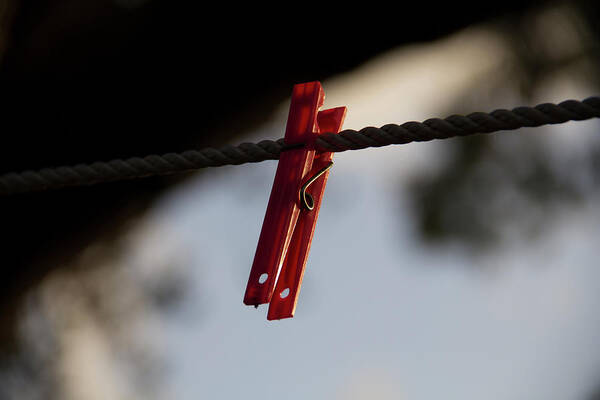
434 128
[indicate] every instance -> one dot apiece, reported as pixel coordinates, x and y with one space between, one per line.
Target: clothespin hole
263 278
284 293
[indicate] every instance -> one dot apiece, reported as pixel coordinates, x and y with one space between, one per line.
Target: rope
434 128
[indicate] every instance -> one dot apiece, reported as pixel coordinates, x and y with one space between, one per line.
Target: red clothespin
294 204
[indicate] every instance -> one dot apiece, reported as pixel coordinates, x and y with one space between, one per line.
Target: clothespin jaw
290 219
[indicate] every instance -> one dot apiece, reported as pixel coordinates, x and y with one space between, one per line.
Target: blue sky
381 315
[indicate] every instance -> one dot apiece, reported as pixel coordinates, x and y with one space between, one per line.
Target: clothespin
294 204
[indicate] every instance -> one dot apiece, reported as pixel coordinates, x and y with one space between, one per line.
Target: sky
381 315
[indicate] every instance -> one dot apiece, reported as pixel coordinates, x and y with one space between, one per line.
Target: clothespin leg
283 209
285 297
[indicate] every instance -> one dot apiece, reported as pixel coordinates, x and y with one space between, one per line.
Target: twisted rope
434 128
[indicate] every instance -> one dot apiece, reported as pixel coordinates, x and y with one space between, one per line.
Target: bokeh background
463 268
